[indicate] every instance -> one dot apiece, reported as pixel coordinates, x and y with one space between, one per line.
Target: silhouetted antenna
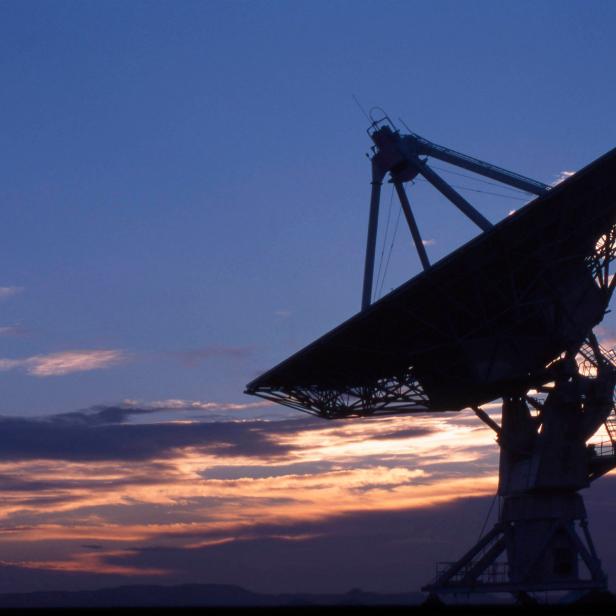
379 121
361 107
507 315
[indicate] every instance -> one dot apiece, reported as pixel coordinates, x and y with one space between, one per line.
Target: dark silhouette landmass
194 598
196 595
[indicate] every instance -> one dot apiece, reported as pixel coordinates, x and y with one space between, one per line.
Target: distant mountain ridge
195 595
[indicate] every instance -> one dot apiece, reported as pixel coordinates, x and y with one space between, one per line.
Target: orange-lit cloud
200 405
313 470
65 362
209 484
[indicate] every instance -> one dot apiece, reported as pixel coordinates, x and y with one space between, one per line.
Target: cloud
102 434
97 416
257 471
65 362
56 489
135 488
194 357
107 415
429 242
65 469
12 330
606 336
182 486
6 292
175 403
383 551
562 176
404 433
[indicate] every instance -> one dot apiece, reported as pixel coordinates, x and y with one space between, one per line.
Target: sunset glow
315 471
186 194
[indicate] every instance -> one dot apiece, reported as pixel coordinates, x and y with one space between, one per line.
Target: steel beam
423 146
377 180
414 229
456 198
486 419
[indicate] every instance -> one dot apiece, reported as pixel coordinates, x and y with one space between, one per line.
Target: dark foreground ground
500 610
211 598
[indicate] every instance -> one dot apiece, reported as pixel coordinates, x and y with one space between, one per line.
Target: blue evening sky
185 183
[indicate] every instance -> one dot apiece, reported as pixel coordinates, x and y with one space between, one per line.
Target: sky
184 193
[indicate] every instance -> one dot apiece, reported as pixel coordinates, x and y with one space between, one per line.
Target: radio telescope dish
505 314
483 321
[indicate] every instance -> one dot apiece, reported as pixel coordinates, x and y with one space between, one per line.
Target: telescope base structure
540 543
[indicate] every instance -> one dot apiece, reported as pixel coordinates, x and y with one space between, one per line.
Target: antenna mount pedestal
541 540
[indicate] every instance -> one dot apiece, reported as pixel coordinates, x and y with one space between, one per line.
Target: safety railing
604 448
496 573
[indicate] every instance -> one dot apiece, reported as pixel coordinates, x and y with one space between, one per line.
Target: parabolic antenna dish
479 324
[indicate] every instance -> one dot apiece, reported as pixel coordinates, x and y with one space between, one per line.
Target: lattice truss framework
599 262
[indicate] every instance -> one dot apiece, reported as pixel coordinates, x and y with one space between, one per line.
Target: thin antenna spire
361 108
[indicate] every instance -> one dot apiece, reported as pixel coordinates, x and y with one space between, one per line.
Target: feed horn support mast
507 317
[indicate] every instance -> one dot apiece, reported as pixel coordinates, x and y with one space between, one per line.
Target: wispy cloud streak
562 176
6 292
12 330
64 362
201 405
194 357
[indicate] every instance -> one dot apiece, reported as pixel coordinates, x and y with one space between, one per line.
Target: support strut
401 157
456 198
377 180
410 219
